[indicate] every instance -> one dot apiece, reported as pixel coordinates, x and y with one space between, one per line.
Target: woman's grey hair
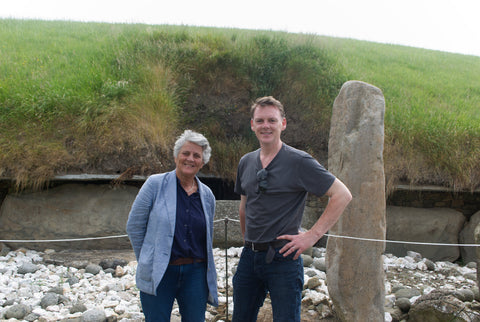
194 137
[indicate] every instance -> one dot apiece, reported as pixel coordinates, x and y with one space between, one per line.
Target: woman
170 227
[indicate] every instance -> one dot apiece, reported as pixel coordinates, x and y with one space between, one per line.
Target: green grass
111 98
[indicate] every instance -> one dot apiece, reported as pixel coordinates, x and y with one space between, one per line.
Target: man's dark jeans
254 278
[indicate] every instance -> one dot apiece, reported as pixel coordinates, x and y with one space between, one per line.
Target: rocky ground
98 285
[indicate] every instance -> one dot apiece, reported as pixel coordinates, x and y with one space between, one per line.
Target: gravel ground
114 292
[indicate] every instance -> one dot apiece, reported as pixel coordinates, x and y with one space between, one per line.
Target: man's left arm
339 198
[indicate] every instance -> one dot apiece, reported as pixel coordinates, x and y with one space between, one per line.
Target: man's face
268 124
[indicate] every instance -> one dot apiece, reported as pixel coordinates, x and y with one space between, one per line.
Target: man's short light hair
267 101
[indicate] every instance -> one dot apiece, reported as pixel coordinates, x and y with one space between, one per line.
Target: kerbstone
467 236
69 211
426 231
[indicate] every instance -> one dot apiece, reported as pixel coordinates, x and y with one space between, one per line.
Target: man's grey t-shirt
278 210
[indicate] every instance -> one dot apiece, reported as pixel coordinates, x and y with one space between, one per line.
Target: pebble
33 290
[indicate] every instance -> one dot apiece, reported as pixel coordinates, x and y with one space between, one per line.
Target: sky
445 25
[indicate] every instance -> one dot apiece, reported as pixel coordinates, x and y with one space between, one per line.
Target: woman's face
189 160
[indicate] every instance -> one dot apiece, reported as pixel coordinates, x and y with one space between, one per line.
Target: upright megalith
355 276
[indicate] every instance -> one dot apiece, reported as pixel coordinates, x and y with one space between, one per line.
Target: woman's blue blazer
151 226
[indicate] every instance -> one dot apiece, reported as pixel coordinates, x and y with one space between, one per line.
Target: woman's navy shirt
190 228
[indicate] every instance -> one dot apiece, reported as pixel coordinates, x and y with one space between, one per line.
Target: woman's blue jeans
187 284
254 278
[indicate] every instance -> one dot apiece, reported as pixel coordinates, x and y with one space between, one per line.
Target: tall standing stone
355 276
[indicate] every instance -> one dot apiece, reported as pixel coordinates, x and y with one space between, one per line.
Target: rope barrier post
226 268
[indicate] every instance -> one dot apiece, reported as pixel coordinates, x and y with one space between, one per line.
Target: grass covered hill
111 98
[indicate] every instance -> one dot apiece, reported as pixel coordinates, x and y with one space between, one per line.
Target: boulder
94 315
26 268
440 305
93 269
17 312
49 299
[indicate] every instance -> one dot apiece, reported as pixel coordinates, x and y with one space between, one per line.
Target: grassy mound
111 98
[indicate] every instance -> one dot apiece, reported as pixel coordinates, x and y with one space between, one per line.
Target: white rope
401 242
226 219
57 240
235 220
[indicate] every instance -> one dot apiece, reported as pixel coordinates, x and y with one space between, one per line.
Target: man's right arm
339 198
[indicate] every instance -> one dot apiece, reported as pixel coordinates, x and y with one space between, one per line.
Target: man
273 182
